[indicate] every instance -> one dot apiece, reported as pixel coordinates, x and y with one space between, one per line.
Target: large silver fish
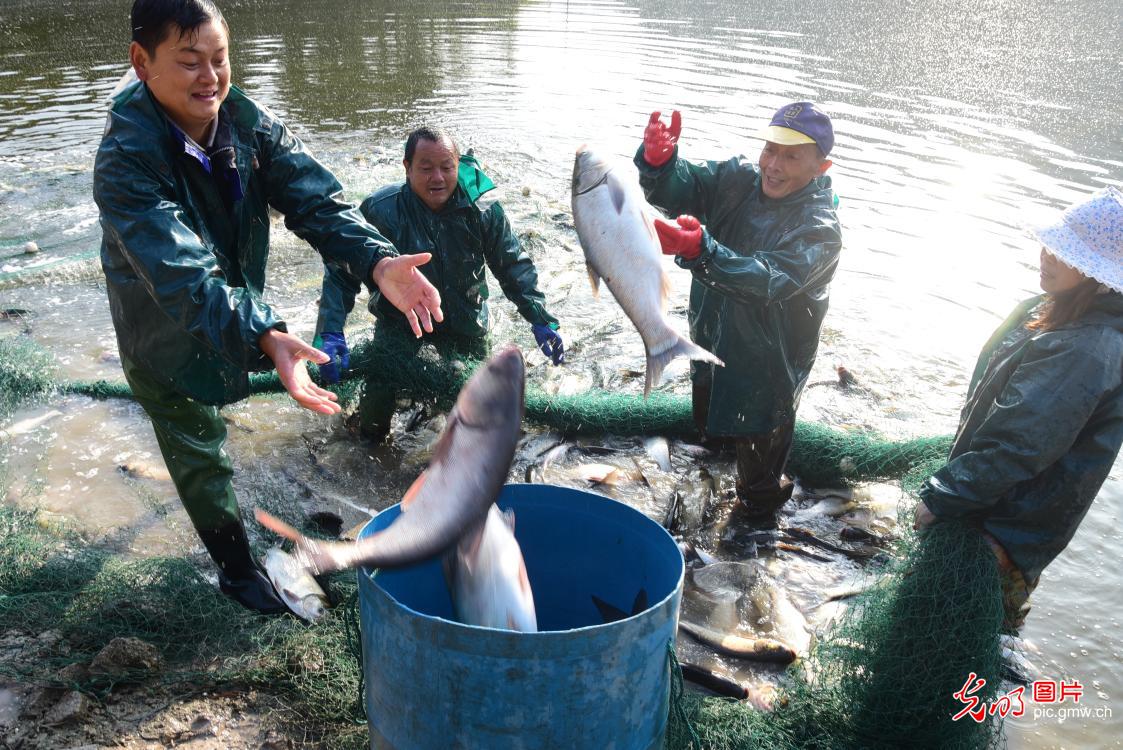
295 585
487 576
469 466
617 232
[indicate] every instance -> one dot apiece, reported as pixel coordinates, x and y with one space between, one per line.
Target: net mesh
885 674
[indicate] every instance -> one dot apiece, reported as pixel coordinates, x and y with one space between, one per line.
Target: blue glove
334 345
550 342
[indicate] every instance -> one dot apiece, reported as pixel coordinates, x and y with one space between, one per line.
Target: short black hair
428 133
154 20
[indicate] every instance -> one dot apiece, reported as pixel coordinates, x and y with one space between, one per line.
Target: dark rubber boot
239 576
376 411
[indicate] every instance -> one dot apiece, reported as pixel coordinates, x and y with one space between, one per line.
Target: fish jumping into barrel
487 577
454 494
616 228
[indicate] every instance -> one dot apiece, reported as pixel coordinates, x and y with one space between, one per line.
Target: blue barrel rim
371 575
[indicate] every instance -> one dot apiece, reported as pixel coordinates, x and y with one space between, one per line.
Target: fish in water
143 470
608 475
737 609
30 424
297 588
755 649
469 466
659 450
487 576
616 228
713 681
695 556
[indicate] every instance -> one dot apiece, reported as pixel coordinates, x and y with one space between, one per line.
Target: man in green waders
436 211
184 177
762 251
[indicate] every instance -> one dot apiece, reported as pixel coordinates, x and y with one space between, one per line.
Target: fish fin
608 612
655 365
413 491
649 223
640 602
277 526
594 280
524 579
616 192
468 548
659 360
444 442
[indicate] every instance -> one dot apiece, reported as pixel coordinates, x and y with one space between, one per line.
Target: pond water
955 123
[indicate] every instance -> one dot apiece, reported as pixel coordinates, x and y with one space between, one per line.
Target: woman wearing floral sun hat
1043 421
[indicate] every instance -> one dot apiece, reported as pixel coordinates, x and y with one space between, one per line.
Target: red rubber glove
659 140
683 238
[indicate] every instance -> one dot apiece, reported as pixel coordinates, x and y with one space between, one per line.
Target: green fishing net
882 677
885 674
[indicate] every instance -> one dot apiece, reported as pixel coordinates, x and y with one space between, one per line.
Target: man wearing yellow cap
762 242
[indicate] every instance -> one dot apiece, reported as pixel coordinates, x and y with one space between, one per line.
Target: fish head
588 169
495 394
308 606
314 606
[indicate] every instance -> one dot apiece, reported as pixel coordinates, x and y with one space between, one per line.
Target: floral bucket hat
1089 237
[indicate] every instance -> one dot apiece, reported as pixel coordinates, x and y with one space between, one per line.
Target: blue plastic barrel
433 683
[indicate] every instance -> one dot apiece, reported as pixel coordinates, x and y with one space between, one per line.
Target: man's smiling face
189 75
788 169
432 172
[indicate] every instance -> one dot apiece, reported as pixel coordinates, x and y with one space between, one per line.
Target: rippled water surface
956 122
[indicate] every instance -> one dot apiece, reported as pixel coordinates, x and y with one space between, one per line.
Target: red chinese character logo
966 694
1071 690
1044 691
1005 704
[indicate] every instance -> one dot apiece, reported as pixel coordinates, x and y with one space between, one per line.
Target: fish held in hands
617 232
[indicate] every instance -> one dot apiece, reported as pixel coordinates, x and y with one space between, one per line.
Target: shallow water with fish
953 127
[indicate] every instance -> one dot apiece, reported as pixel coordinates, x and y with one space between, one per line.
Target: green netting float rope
820 454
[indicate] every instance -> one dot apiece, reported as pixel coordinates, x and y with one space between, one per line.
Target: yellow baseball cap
784 136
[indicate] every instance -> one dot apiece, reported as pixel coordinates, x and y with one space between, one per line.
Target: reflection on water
956 122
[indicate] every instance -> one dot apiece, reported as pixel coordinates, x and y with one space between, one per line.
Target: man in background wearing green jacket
436 211
762 264
184 177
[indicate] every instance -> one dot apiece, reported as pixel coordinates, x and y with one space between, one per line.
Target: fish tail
682 347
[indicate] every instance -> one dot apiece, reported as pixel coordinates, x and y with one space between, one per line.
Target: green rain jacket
184 250
463 237
1039 433
760 288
